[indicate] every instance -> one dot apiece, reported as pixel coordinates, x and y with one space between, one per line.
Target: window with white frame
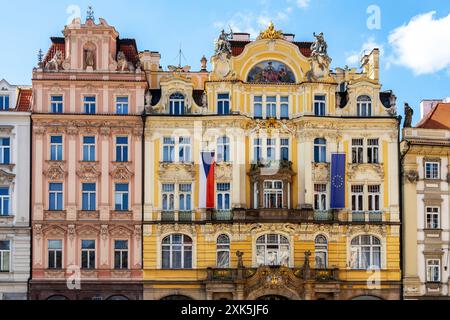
271 149
177 104
284 108
122 197
272 250
90 104
223 251
432 170
374 197
56 104
433 217
55 196
185 196
320 197
223 103
121 149
4 102
273 194
5 255
5 150
320 150
184 149
320 106
284 149
223 197
257 107
433 270
373 149
88 254
357 151
357 198
56 148
89 195
257 150
365 253
55 254
122 105
120 254
177 252
5 201
223 149
364 106
168 197
321 252
89 149
168 149
271 107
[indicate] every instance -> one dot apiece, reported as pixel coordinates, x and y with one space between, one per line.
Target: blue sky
415 42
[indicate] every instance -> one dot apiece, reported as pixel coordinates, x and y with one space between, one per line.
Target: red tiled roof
57 44
24 100
237 47
438 118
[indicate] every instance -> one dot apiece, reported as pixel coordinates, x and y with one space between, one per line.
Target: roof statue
223 43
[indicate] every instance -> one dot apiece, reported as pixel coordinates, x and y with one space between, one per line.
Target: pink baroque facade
87 166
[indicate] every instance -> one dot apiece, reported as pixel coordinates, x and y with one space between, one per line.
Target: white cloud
423 44
353 58
303 3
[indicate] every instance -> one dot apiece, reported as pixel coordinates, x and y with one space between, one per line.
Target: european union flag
338 181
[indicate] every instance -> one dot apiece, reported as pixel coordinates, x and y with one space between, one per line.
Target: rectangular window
320 150
257 150
433 218
168 150
122 149
168 197
55 254
284 149
56 148
121 254
4 102
319 106
273 194
89 149
89 197
122 105
90 104
374 198
55 197
271 147
4 201
357 198
223 149
433 270
271 107
5 255
257 107
284 108
373 151
358 151
320 197
56 104
88 254
184 148
223 196
185 196
5 150
223 103
432 170
122 196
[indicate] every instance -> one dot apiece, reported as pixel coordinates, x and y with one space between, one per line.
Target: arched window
320 150
365 253
364 106
272 250
223 251
177 104
223 149
177 252
176 298
321 252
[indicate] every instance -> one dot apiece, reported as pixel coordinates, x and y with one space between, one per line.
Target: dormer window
4 102
177 104
364 106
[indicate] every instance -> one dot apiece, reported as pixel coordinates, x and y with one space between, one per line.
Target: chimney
426 106
241 36
370 63
150 60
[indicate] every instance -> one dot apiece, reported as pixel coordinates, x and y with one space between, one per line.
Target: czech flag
207 181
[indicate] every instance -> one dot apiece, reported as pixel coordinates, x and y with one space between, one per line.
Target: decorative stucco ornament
270 33
221 61
320 61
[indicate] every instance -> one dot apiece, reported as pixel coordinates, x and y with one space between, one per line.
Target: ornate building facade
87 162
14 191
426 176
304 180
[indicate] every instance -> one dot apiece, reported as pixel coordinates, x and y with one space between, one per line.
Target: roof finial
90 14
40 56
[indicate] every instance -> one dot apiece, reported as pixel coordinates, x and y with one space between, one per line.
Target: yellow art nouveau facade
274 115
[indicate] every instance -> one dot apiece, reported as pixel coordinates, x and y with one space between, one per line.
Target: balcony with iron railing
177 216
367 216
